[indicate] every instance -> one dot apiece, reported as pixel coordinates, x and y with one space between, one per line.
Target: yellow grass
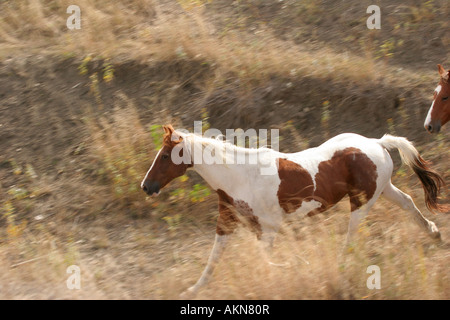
129 246
147 31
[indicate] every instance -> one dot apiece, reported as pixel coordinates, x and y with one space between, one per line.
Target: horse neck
226 176
216 175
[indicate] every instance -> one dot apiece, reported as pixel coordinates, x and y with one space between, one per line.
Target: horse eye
165 156
444 98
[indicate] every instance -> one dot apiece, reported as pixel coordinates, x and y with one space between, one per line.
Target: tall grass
167 252
149 31
123 148
318 267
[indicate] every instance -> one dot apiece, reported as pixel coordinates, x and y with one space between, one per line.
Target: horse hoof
434 231
436 236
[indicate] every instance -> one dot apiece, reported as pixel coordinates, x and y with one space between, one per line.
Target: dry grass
411 266
128 246
125 255
122 154
145 30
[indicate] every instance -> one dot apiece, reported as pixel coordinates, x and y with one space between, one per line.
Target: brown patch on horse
296 185
349 171
228 219
445 75
164 169
441 108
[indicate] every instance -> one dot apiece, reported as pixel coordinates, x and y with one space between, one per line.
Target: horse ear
168 129
170 135
444 74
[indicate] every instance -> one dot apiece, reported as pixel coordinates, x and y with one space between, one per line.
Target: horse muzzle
433 126
152 188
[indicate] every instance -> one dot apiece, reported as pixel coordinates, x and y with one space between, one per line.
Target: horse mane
218 144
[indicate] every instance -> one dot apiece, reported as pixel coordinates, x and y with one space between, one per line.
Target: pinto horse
439 112
306 183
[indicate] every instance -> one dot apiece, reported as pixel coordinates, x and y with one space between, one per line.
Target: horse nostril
430 128
144 188
437 128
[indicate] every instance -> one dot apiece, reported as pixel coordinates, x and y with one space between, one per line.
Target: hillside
80 122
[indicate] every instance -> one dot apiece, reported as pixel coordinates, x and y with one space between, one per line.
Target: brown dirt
44 106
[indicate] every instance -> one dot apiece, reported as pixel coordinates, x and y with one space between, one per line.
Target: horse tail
432 182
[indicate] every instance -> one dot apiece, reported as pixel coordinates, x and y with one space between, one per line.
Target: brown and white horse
439 112
305 183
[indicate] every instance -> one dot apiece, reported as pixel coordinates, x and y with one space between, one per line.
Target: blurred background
81 115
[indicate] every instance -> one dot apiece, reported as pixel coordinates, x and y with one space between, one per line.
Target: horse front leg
227 222
217 250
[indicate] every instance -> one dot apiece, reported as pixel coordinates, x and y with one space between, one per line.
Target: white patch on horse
151 167
428 118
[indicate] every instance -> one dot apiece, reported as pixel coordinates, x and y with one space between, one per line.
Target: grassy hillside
80 122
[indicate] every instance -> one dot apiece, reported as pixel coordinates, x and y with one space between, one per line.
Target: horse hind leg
405 202
359 212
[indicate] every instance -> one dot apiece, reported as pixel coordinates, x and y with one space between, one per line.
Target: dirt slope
232 64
